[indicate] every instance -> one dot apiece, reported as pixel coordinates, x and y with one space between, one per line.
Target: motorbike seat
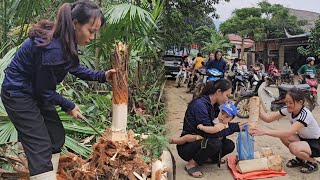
299 86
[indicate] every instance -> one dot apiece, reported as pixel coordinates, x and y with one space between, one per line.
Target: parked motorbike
274 78
279 102
212 74
244 99
254 80
269 102
240 84
287 76
312 81
182 77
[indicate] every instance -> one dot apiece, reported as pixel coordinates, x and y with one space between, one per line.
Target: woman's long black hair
212 87
215 54
81 11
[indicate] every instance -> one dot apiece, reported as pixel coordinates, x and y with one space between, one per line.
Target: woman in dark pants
203 110
29 87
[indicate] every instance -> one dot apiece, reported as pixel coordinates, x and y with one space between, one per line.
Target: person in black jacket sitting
203 110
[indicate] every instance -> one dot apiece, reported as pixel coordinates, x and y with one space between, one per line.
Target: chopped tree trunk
157 170
266 163
254 108
120 93
254 112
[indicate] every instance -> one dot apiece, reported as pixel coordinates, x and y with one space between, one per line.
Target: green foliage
183 17
75 146
7 132
313 49
276 18
245 22
139 25
16 17
155 144
217 42
266 21
203 34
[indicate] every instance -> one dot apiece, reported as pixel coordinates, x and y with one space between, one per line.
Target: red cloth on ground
232 163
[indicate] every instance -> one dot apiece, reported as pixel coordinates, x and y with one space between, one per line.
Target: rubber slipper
193 170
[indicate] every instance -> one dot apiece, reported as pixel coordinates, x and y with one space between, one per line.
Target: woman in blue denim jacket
29 87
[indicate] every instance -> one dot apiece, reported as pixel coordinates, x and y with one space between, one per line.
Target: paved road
177 99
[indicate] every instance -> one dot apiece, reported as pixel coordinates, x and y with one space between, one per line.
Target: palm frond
77 147
117 13
4 62
7 132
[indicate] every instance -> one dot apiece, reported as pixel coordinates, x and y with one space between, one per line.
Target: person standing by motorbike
307 68
198 61
235 65
184 64
196 67
271 67
307 75
211 58
287 74
218 62
243 66
286 67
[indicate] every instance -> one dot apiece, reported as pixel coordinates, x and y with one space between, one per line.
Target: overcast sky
224 9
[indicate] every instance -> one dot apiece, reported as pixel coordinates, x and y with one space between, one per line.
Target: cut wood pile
110 160
16 160
265 159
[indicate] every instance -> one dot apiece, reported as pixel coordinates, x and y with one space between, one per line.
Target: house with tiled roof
235 52
282 50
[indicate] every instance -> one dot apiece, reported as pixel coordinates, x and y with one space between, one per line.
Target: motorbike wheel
197 90
244 107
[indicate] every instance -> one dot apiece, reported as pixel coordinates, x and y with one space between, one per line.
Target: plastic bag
245 144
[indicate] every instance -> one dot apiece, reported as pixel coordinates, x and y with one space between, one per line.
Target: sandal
294 163
193 170
309 167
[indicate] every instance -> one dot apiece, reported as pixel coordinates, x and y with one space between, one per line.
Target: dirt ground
177 99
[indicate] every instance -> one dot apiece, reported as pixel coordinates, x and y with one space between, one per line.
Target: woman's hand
109 74
75 112
241 124
258 131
